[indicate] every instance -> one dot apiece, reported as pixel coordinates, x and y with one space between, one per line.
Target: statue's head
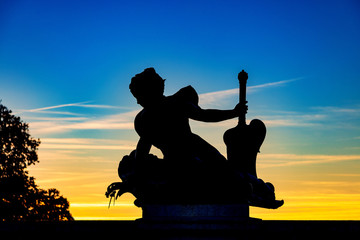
147 87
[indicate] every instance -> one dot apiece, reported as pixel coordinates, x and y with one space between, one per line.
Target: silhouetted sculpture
192 170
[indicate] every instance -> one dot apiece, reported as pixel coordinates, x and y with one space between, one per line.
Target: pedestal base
195 212
197 216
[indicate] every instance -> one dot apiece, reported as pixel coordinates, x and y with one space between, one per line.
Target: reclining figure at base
192 170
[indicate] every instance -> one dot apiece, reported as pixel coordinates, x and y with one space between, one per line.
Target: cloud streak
339 110
55 107
86 143
285 160
219 96
49 125
316 116
80 104
41 125
279 120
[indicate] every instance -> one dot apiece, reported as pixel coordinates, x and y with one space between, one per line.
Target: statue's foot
266 203
270 186
266 199
138 202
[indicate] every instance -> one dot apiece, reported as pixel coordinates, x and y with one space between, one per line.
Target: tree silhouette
20 197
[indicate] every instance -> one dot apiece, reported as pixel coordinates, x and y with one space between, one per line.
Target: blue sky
88 50
65 67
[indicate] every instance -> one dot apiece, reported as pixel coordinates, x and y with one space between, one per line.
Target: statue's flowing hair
147 82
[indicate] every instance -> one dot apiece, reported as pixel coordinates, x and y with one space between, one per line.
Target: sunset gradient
65 67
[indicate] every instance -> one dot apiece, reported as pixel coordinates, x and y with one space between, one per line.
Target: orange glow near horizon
307 195
325 207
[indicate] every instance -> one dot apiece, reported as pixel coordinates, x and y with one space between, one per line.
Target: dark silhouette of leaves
20 197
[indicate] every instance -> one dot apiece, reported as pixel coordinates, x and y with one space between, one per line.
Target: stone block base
195 212
196 216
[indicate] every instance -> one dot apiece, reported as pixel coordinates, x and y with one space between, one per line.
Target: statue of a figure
192 170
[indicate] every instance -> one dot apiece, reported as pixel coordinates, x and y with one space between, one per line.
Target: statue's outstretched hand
241 109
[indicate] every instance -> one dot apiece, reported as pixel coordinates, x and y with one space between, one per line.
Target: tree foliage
20 197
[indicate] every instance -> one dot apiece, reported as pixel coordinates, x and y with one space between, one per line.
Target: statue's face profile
141 101
144 100
149 98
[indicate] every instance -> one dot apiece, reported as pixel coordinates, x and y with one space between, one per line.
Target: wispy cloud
86 143
54 107
292 119
218 96
286 119
55 160
84 104
341 111
44 125
101 106
272 84
283 160
338 109
328 117
48 125
56 118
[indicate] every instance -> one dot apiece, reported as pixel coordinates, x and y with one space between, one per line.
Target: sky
65 68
